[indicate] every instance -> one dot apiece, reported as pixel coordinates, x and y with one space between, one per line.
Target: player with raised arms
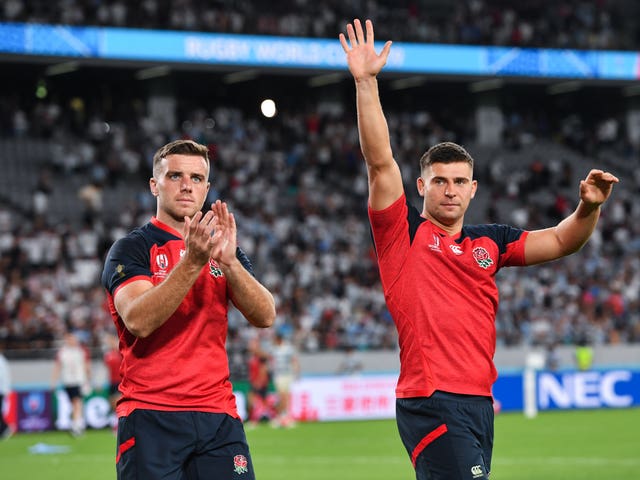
438 277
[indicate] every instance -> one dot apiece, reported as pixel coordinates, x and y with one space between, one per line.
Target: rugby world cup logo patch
482 257
240 464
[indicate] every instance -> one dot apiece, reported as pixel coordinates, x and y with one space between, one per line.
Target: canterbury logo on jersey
456 249
435 246
476 471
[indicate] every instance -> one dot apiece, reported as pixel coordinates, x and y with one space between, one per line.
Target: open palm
362 58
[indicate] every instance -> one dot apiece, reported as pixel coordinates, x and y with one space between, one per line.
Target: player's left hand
596 188
224 241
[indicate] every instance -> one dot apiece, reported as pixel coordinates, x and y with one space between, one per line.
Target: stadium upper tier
582 24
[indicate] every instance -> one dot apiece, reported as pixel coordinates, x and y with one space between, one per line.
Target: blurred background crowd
76 158
590 24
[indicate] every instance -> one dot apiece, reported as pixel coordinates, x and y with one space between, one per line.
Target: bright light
268 108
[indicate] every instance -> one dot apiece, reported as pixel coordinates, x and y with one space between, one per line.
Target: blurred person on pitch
169 284
438 277
72 368
5 389
112 359
285 368
259 379
351 364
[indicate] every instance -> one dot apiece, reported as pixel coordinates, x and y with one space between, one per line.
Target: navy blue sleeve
244 260
128 258
502 235
414 220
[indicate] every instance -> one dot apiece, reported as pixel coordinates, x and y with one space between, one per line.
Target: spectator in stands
593 24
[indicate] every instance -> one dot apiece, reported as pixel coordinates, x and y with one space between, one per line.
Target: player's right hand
197 233
362 58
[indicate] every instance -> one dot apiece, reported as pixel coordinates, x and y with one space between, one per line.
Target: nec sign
593 389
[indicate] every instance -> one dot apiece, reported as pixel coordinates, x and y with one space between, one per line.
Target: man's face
447 189
181 185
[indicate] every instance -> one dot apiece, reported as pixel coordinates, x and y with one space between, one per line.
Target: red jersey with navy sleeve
183 364
442 295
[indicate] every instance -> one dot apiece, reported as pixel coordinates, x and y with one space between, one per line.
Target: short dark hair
445 152
180 147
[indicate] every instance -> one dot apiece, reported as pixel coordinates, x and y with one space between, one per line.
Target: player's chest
444 253
163 258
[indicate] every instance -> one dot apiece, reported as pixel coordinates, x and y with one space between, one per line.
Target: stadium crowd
588 24
298 188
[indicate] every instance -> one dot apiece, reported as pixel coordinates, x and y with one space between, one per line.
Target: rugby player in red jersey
438 277
169 284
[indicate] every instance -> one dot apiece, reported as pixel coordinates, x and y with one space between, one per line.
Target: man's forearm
249 296
574 231
372 124
153 307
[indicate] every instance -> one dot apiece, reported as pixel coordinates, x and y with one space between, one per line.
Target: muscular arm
385 179
250 297
144 307
574 231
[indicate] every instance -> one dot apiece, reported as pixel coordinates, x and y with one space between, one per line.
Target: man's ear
153 187
420 185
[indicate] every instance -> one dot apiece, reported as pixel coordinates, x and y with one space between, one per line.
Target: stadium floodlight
268 108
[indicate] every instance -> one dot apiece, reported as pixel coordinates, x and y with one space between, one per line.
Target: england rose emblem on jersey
214 269
240 464
482 257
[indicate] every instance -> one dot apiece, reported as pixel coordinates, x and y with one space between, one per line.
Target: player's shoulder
141 238
499 233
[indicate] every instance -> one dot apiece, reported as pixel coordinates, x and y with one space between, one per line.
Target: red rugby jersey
183 364
442 295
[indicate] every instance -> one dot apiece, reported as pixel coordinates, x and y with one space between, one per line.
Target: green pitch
582 445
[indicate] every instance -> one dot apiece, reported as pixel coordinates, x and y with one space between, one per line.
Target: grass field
597 444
